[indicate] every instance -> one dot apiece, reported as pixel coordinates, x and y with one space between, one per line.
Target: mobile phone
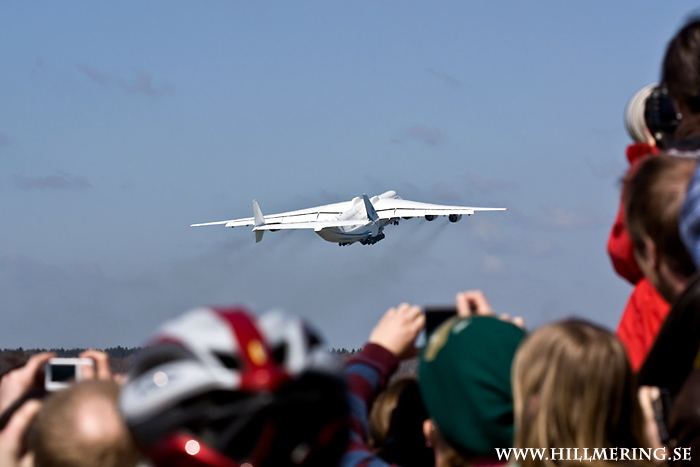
62 372
661 409
436 315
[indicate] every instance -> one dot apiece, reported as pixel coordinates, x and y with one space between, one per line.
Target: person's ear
429 432
647 257
651 253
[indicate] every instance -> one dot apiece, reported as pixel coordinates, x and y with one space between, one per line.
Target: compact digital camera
62 372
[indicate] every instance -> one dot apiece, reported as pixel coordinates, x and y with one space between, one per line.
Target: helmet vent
229 361
312 339
279 353
160 355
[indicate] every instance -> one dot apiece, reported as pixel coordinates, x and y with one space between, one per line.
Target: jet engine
454 217
430 217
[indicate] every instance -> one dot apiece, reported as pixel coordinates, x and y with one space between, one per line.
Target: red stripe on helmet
261 372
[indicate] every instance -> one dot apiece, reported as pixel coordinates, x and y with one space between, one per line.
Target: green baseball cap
464 378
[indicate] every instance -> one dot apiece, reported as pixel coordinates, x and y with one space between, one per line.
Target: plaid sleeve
366 375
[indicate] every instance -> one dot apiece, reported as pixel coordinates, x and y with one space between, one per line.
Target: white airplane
359 220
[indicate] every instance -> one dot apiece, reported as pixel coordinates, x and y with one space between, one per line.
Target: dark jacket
673 356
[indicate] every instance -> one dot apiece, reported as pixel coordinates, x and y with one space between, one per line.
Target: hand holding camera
469 303
12 450
62 372
398 329
18 382
43 372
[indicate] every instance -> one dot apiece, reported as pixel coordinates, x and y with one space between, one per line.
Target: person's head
652 198
217 387
465 380
81 426
574 388
681 76
395 425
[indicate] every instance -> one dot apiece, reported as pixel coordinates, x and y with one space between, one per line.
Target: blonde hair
573 388
379 420
395 425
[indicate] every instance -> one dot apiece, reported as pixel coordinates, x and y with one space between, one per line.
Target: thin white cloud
60 181
485 185
556 217
447 80
141 83
4 140
421 133
443 193
94 75
38 67
607 169
494 239
493 266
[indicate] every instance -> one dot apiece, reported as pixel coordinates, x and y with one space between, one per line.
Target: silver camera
62 372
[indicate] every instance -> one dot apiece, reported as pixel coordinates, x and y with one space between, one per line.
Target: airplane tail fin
259 220
371 212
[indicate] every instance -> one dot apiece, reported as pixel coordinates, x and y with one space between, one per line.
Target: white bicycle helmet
217 387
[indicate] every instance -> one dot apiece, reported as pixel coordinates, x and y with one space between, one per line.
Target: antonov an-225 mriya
358 220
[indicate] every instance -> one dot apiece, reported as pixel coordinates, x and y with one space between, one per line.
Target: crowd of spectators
223 387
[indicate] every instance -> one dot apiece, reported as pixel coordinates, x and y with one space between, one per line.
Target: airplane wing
310 218
389 208
306 225
231 223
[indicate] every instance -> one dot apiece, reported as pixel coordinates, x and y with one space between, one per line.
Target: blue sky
123 123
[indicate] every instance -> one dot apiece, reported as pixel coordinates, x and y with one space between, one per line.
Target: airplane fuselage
363 232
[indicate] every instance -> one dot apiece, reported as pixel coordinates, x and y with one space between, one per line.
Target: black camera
650 112
661 116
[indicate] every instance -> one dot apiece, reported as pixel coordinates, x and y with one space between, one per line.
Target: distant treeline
113 352
344 351
120 358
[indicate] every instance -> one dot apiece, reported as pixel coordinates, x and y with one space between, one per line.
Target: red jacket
645 311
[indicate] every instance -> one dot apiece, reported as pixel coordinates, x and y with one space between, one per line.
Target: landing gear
373 240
